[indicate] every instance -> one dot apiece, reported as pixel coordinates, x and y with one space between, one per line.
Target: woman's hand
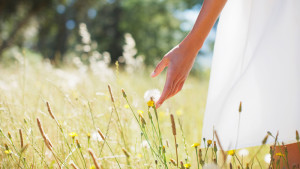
179 61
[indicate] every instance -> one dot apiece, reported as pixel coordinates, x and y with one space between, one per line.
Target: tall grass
68 118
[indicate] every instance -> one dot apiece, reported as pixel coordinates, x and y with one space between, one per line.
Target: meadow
66 117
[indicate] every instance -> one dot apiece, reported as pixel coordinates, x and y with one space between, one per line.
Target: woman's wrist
191 43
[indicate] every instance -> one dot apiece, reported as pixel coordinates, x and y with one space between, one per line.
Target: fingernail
152 74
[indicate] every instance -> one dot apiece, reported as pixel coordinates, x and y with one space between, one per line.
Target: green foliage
41 25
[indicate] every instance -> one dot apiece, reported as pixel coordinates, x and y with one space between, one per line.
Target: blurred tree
151 22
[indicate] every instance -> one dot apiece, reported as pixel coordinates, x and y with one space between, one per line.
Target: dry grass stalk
46 139
24 148
126 152
219 143
73 165
173 124
21 138
94 158
111 95
50 111
101 134
174 134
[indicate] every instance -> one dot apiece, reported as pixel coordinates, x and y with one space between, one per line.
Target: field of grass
81 109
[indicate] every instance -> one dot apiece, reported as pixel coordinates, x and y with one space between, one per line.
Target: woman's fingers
176 89
160 67
166 91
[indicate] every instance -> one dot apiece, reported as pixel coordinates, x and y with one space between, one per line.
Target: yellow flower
187 165
179 112
231 152
150 103
140 111
92 167
139 155
7 152
279 154
126 106
195 145
209 142
73 134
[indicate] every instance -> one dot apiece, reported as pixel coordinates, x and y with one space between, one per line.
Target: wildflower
139 155
7 152
73 135
153 93
150 103
179 112
140 112
187 165
279 154
267 158
210 166
92 167
88 136
126 106
195 145
209 142
231 152
244 152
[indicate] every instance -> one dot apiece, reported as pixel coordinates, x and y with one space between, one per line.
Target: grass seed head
73 165
21 138
173 124
126 152
111 95
9 135
91 152
101 134
50 111
173 161
265 139
240 107
297 135
124 94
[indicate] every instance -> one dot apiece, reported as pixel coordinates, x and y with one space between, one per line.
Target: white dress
257 61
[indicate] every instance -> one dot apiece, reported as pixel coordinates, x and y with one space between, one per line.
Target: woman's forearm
207 17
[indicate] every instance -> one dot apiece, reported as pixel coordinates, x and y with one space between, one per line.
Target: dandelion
231 152
153 93
187 165
73 135
92 167
209 142
8 152
195 145
267 158
140 112
279 154
243 152
150 103
126 106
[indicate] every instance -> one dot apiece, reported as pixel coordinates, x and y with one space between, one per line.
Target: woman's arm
181 58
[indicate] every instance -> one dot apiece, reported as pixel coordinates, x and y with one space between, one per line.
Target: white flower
267 158
243 152
211 166
145 144
154 93
95 136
